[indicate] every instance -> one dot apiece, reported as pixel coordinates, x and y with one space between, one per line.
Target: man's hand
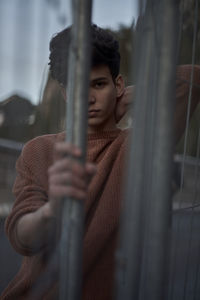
183 76
124 102
67 176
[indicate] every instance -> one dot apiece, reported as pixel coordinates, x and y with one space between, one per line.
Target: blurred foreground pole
72 227
145 223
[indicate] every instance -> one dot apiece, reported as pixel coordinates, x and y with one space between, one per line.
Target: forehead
101 71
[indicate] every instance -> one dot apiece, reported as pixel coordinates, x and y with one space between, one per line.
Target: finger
128 95
68 179
66 149
67 164
60 191
90 168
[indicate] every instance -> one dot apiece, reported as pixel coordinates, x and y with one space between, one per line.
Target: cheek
110 97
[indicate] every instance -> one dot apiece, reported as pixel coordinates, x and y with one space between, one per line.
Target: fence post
145 223
72 227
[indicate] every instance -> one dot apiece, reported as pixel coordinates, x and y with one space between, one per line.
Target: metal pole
129 252
145 221
72 227
155 268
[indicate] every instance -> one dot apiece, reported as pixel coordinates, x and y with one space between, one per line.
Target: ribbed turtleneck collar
104 134
110 134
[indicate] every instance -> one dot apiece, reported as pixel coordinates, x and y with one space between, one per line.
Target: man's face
102 100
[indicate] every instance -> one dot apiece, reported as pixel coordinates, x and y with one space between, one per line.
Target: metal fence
158 257
9 152
9 259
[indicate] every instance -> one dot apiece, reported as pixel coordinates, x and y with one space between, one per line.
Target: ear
120 86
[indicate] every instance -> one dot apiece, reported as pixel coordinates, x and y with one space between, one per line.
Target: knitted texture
102 208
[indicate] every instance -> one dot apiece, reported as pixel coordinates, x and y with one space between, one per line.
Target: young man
45 174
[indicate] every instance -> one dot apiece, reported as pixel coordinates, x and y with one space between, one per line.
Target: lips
93 112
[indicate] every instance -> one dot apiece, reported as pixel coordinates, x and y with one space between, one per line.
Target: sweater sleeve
30 187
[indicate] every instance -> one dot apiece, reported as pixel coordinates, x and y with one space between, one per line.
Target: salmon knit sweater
102 208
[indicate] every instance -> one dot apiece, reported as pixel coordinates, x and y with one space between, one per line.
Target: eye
99 84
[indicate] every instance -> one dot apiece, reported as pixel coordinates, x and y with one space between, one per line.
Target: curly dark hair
105 51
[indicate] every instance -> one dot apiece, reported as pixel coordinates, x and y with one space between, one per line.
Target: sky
26 27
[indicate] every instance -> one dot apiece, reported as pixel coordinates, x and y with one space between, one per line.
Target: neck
95 129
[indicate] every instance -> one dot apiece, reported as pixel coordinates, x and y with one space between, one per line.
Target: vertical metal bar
146 217
177 229
196 295
192 222
129 254
157 242
190 91
77 95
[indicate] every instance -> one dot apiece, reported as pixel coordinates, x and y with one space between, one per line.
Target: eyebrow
98 79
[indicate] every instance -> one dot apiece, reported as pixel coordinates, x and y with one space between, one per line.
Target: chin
94 122
94 127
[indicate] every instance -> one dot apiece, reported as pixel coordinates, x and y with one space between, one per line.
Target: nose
92 98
